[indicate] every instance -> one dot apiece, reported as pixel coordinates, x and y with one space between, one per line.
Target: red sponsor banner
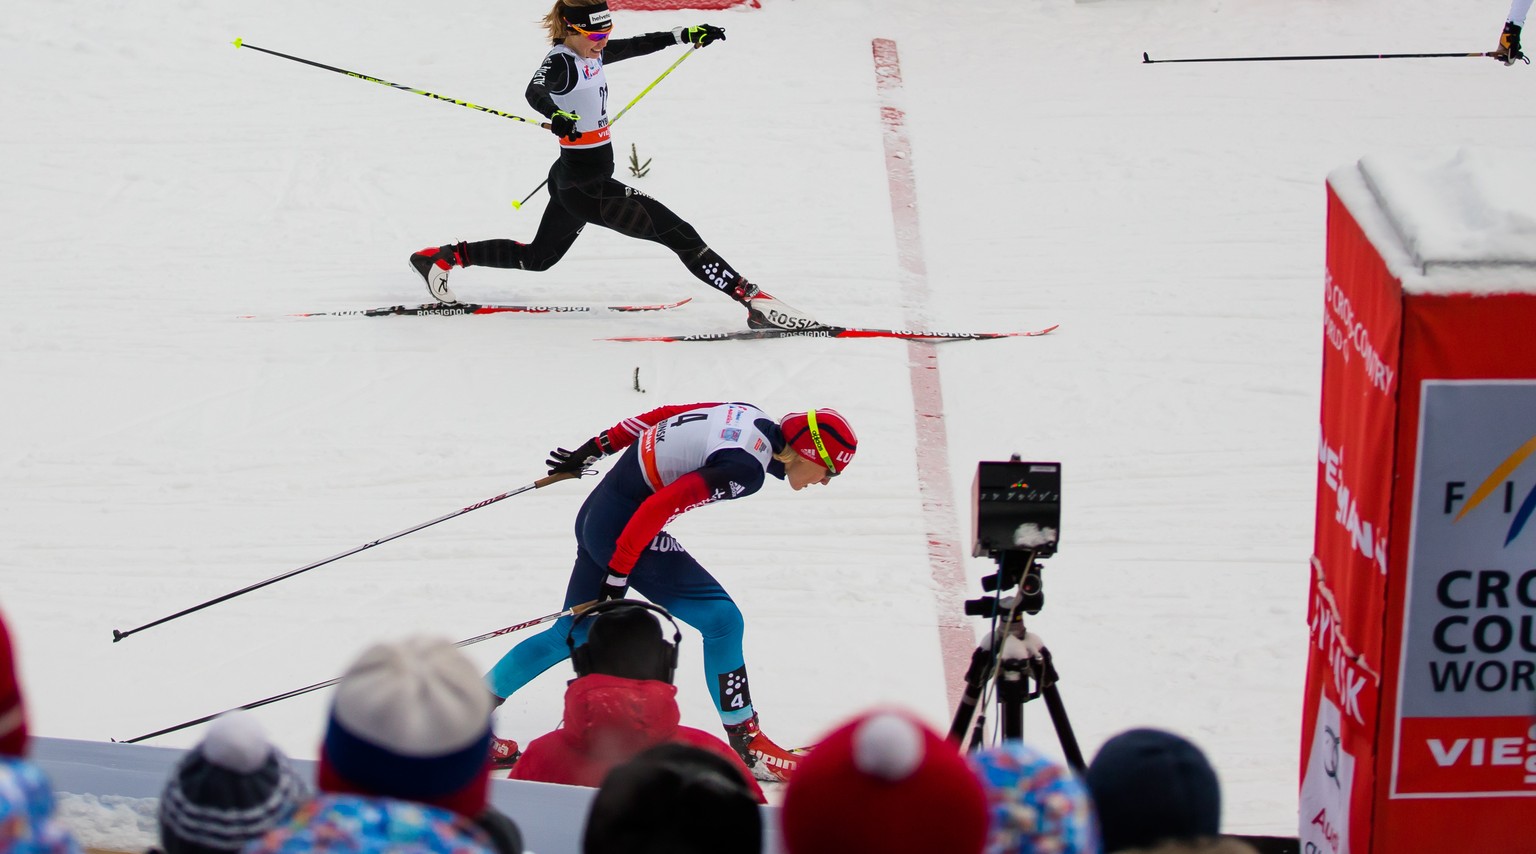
1467 756
1457 765
1362 328
1424 569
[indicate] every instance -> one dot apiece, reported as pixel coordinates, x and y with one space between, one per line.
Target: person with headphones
675 459
621 703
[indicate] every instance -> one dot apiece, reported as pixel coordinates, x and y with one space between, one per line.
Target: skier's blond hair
555 24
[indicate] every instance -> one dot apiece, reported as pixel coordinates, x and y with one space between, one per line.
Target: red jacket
608 721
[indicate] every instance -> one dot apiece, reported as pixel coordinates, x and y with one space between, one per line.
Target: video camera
1015 520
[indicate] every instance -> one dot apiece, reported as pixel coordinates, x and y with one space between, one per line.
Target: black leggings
610 204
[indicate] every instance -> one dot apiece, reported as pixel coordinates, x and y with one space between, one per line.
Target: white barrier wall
551 817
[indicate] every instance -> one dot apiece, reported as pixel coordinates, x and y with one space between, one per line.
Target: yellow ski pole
241 43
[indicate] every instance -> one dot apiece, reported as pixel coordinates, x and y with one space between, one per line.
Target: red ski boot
504 752
768 761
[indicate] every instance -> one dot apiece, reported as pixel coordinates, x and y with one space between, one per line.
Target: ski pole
571 611
118 635
1149 60
241 43
687 53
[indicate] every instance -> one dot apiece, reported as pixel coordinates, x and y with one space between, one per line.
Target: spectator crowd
406 760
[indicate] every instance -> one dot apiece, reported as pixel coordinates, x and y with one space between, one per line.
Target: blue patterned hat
348 824
1036 805
27 821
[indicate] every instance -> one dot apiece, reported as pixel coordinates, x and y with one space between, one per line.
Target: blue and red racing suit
675 458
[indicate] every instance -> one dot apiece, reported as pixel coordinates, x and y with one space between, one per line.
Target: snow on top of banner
1448 222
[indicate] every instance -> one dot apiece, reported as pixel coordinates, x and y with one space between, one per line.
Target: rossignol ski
457 309
838 332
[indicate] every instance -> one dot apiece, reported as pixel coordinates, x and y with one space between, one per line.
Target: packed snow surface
158 451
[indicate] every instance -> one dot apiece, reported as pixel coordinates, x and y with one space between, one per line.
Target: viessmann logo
1503 488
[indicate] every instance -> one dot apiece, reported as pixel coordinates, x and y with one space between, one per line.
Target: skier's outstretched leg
628 211
558 230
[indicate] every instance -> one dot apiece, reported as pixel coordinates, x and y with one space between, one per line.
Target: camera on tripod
1016 521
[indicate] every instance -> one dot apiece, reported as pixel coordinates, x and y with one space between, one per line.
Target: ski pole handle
555 478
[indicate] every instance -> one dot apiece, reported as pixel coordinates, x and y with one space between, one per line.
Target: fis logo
1497 482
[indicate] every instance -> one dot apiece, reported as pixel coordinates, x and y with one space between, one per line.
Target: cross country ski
459 309
838 332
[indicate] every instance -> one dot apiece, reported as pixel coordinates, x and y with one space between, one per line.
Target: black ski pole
545 125
571 611
118 634
1149 60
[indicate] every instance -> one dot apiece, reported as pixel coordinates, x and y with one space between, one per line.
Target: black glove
614 587
575 462
702 35
1508 51
563 123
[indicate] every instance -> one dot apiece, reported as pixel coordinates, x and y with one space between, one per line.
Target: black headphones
581 656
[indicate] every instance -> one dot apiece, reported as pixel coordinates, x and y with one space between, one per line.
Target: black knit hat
1150 786
626 640
230 789
674 798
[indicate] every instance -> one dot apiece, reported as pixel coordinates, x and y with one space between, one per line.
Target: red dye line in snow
945 558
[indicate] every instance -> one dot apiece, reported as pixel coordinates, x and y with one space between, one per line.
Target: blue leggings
666 575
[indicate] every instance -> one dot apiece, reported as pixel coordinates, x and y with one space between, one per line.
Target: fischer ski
439 309
838 332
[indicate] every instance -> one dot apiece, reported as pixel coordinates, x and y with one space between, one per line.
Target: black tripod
1015 659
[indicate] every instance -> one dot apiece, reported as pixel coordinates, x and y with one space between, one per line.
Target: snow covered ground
157 451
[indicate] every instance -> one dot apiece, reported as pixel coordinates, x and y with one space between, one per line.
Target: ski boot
504 752
433 264
1508 51
768 761
766 312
